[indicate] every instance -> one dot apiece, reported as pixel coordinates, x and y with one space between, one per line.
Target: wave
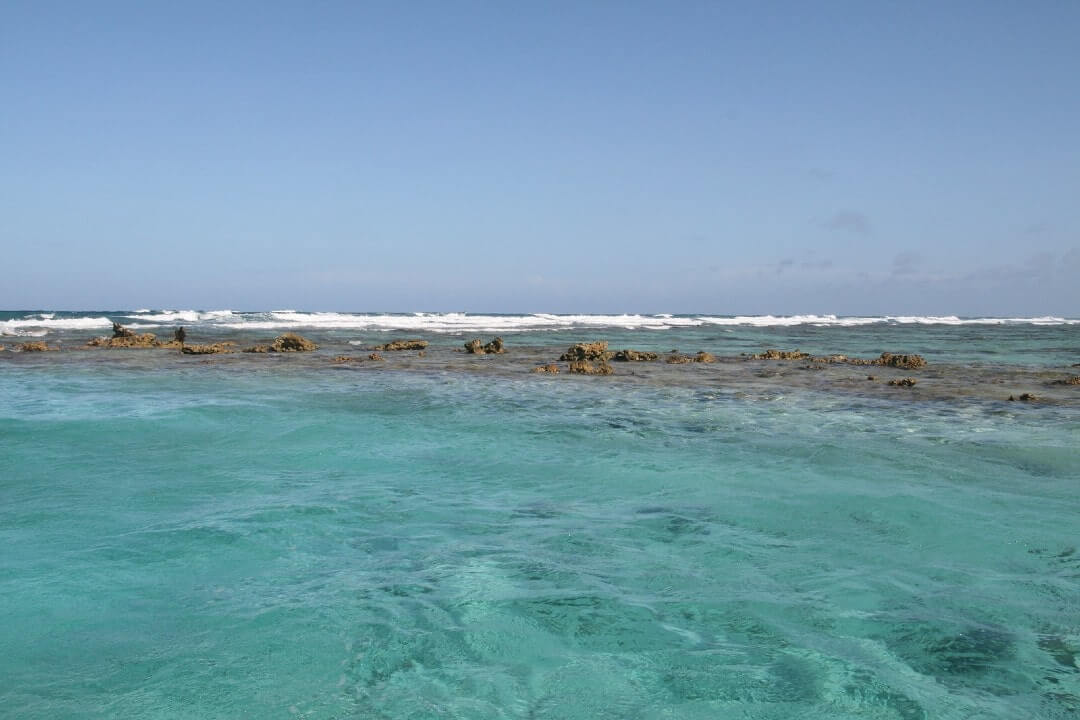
171 317
41 323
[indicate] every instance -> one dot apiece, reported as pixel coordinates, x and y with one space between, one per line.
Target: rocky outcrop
375 356
477 346
587 351
119 331
585 367
903 382
1025 397
345 360
1074 380
550 368
289 342
780 355
704 357
678 359
126 339
209 349
34 346
634 356
907 362
395 345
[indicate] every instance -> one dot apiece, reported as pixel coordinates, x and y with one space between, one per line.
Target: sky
717 157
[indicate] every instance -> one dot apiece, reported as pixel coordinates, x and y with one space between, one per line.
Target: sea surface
272 538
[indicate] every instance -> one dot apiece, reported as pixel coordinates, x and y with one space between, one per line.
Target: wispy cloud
851 222
907 262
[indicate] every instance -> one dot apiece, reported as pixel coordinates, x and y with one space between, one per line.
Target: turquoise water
222 542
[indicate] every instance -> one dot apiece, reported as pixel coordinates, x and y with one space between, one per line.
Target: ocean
452 536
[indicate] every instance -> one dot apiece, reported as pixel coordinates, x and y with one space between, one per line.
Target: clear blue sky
751 157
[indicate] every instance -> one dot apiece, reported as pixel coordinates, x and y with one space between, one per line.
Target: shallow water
221 541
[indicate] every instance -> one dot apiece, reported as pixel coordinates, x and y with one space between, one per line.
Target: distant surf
40 323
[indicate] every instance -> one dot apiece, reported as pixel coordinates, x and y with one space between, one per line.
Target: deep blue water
217 542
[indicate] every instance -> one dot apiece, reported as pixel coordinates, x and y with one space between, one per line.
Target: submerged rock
634 356
289 342
780 355
209 349
1074 380
375 356
476 346
584 367
704 357
395 345
587 351
550 368
34 346
903 382
678 359
345 359
1025 397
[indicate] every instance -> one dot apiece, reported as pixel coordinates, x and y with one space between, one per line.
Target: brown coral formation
209 349
395 345
634 356
585 367
288 342
550 369
903 382
1074 380
375 356
477 347
344 360
678 359
587 351
907 362
780 355
122 337
34 346
704 357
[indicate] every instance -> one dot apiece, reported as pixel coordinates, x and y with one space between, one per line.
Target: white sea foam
171 317
38 325
465 322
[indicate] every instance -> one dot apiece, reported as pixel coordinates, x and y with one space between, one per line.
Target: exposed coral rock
33 346
119 331
869 377
780 355
903 382
830 359
587 351
907 362
704 357
422 353
209 349
477 347
288 342
403 345
1074 380
634 356
584 367
127 339
2 348
678 359
344 360
375 356
550 368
